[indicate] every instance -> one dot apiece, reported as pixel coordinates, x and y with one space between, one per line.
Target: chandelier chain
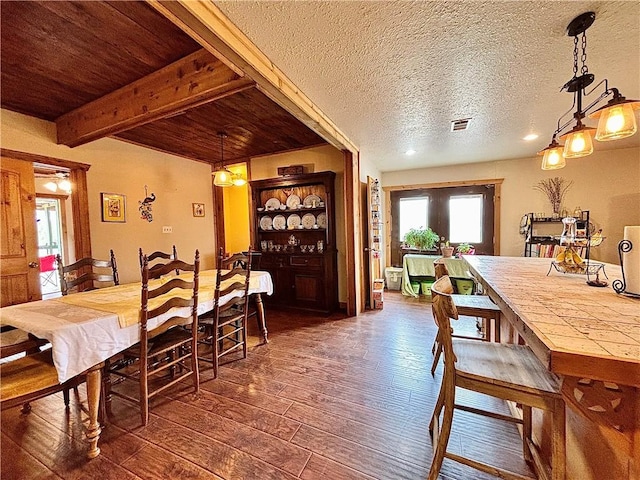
575 56
585 69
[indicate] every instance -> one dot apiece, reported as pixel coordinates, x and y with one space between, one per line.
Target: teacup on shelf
303 248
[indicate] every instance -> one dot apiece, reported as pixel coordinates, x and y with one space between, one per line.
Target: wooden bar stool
509 372
473 306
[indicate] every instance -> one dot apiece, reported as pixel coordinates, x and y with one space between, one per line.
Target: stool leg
496 328
558 442
526 433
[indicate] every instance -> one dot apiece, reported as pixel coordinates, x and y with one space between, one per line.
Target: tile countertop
574 329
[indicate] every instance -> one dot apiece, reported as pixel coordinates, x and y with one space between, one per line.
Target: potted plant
466 249
421 238
447 251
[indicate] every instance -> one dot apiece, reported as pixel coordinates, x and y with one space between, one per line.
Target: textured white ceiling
393 74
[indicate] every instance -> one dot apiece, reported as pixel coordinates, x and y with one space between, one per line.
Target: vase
556 209
447 252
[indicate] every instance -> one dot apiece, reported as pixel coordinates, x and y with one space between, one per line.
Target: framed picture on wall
113 207
198 209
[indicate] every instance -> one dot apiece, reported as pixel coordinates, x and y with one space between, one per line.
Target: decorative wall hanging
145 206
113 207
198 209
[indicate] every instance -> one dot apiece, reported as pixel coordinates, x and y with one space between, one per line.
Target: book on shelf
545 250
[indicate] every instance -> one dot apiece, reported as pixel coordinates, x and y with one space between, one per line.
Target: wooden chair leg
526 433
442 434
144 392
65 395
244 337
436 358
215 348
26 408
558 442
194 364
437 409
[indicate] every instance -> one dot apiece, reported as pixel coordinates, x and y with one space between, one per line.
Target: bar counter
590 336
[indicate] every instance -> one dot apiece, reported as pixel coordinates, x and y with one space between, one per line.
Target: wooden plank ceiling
102 68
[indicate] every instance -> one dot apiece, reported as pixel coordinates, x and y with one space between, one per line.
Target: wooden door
19 268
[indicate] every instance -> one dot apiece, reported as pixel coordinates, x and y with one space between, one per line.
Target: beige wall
318 159
119 167
607 183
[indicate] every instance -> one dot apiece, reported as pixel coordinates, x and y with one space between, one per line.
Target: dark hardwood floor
327 399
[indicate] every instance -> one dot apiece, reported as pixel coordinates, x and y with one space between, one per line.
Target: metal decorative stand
620 286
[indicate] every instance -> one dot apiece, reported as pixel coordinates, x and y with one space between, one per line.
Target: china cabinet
293 225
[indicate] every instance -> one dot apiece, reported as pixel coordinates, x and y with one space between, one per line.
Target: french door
458 214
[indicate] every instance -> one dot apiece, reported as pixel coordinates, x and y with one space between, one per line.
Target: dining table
85 329
587 335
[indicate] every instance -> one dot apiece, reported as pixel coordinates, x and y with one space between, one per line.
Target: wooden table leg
262 322
93 399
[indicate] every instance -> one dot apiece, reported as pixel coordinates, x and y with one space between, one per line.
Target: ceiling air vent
461 124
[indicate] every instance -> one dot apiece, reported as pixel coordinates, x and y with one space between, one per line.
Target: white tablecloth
83 337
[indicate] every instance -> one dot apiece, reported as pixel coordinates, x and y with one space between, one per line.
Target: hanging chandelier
616 118
223 177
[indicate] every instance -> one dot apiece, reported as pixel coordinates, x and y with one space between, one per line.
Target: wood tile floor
328 399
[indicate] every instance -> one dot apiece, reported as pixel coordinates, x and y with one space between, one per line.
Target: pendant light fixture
222 176
616 118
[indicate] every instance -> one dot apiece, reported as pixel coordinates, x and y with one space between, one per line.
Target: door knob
34 264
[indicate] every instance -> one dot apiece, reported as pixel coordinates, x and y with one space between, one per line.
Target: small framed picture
113 207
198 209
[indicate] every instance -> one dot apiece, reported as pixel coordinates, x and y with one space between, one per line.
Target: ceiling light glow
410 152
531 136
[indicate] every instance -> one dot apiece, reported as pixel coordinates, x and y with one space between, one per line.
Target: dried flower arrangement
555 189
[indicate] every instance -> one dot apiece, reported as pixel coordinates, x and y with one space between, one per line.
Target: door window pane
414 213
465 218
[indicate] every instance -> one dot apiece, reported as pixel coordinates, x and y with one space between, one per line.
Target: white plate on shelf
308 220
293 201
279 222
266 223
322 220
272 204
293 221
309 200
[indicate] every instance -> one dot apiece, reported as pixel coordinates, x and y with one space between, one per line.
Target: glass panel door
49 222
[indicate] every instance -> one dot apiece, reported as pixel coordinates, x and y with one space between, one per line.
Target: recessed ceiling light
410 152
531 136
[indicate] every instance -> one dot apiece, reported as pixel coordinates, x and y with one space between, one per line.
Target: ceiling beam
206 24
194 80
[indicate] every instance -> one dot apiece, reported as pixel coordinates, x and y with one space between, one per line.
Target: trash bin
394 277
426 287
415 286
465 287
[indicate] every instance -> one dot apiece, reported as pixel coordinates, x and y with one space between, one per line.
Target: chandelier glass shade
616 118
578 142
552 156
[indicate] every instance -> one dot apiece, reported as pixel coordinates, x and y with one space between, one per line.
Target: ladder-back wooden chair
168 337
87 274
159 258
479 306
29 378
509 372
225 328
